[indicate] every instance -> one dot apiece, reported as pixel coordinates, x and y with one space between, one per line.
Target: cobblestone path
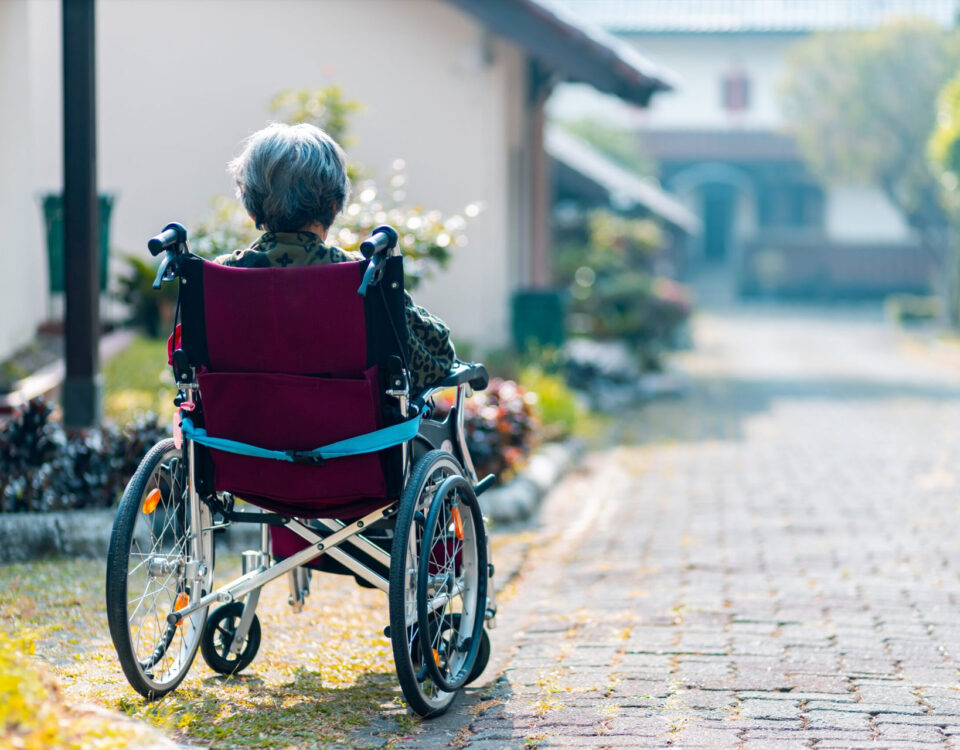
771 561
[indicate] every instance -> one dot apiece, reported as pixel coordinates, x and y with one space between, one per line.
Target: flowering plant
502 425
427 236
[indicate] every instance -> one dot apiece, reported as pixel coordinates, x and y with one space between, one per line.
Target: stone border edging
66 533
519 499
86 533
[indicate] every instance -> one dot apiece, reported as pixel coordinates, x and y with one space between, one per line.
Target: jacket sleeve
431 352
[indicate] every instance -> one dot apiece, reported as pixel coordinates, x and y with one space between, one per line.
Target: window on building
788 205
736 91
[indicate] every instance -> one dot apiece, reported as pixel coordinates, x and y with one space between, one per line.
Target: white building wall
24 276
859 214
701 61
181 83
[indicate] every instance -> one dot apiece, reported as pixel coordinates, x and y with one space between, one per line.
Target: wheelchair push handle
171 236
384 238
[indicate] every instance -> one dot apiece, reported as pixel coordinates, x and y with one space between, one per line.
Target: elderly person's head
291 178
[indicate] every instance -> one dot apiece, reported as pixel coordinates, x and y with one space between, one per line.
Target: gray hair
289 176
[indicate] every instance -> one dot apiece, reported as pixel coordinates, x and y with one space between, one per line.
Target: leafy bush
555 404
913 308
614 294
149 309
43 468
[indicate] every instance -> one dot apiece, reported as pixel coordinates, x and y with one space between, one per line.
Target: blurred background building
719 143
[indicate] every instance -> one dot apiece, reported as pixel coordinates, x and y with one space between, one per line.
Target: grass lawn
322 678
138 380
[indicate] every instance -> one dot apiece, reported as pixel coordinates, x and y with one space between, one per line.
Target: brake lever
373 274
161 272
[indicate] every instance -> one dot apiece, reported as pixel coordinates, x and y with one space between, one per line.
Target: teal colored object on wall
53 222
539 318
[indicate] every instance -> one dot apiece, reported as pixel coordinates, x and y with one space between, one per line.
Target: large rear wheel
445 644
152 550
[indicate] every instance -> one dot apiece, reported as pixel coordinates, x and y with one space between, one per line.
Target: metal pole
83 389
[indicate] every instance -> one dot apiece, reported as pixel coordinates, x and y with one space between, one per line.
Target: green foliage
862 106
611 244
228 228
913 308
943 148
325 107
613 293
150 309
621 146
556 405
138 383
426 236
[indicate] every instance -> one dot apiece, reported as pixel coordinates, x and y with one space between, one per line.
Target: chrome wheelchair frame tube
462 435
200 535
256 579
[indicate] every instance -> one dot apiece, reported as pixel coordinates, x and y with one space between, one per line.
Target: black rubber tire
208 647
451 683
483 655
406 648
121 541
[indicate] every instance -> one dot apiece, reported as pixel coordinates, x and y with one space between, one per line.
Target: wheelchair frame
326 537
254 579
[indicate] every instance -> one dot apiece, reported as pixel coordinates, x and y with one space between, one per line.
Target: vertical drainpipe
540 84
82 396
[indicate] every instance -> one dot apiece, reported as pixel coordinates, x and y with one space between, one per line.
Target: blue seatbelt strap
371 442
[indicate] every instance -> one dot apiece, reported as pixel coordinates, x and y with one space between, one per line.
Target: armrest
462 372
465 372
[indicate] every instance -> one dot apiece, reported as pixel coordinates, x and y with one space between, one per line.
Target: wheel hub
162 567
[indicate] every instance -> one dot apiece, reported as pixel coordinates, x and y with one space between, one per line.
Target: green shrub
150 309
607 263
913 308
555 403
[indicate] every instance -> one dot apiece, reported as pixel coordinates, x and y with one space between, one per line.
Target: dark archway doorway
719 204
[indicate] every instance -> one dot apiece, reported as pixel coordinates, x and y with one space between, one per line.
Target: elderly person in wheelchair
292 180
304 376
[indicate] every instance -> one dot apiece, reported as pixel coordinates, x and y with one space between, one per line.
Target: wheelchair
270 364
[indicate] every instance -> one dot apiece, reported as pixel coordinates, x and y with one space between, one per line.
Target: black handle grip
171 235
383 238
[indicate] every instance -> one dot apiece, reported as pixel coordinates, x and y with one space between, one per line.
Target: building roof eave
620 184
576 50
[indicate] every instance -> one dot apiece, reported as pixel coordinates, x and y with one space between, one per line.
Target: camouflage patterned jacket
428 338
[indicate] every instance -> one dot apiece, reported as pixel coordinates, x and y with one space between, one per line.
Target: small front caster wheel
218 635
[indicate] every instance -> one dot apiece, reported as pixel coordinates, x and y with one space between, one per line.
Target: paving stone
863 707
909 732
763 709
837 720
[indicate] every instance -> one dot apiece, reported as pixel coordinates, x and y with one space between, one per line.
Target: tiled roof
731 16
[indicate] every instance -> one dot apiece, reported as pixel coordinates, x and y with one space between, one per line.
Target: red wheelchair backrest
290 359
